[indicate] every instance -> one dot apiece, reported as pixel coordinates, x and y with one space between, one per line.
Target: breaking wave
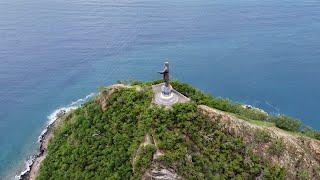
51 119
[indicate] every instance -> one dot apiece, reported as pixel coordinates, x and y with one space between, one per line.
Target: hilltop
121 134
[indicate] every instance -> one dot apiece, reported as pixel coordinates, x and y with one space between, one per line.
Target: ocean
54 53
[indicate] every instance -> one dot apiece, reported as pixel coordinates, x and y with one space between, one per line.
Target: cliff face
299 155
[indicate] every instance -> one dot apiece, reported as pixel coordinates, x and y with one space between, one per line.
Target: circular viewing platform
167 100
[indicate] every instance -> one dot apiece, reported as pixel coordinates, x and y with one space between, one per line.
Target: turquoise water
54 52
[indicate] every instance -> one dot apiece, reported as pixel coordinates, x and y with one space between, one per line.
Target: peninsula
127 132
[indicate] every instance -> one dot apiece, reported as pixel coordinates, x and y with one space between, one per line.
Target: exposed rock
106 92
160 173
147 141
159 152
61 113
157 171
246 106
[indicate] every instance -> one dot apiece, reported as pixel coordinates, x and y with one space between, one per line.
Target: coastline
62 115
35 161
55 119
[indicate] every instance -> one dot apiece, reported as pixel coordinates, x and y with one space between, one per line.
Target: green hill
121 135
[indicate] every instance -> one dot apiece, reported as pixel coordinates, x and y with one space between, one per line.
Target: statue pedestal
166 91
167 96
166 100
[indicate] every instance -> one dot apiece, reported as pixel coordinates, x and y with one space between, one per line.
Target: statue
166 89
165 73
164 94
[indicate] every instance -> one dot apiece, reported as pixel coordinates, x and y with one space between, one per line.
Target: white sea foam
51 119
80 101
273 107
28 164
54 115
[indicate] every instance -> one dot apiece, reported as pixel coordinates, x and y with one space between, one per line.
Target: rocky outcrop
147 141
157 171
299 155
44 140
106 92
160 173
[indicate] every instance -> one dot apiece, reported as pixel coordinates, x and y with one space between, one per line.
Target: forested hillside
104 139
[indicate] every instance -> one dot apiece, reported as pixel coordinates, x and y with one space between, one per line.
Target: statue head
166 64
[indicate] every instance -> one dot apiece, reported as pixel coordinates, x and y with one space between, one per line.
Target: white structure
164 94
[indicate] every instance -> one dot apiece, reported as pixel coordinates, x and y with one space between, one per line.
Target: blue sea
54 53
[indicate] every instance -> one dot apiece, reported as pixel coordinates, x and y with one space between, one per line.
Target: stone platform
167 101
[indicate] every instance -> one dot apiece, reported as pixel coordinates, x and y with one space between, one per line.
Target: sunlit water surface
54 52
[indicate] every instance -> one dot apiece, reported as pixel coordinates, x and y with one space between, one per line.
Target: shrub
308 131
99 145
302 175
145 159
288 123
282 121
212 153
262 136
277 147
219 103
274 172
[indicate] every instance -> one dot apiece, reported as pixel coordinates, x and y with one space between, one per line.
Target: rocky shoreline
34 162
55 119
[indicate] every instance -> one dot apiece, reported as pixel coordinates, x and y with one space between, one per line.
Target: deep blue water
53 52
